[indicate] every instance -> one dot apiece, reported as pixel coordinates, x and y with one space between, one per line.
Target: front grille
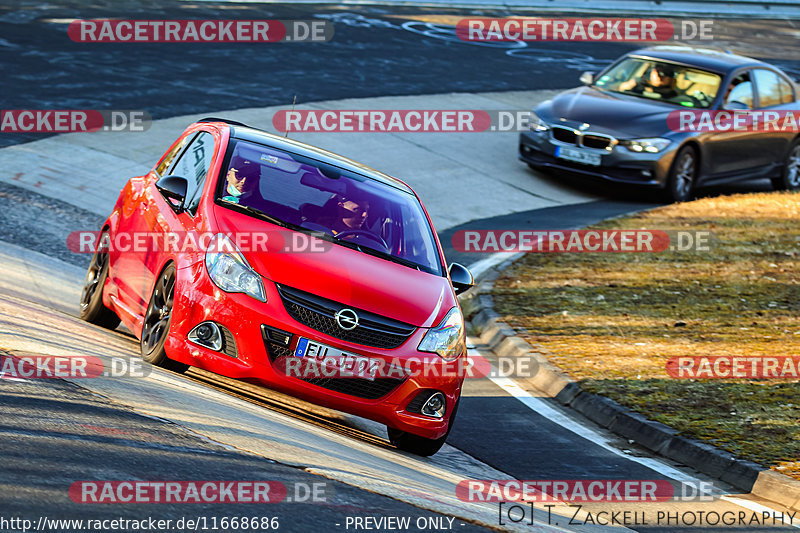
318 313
596 141
588 140
362 388
565 135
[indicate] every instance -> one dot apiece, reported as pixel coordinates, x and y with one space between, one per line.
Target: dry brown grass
612 320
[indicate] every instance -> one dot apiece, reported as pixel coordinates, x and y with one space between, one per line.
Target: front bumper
198 300
617 165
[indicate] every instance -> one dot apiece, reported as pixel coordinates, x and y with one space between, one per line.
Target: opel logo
347 319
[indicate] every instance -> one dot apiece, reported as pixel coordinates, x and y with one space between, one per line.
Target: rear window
341 206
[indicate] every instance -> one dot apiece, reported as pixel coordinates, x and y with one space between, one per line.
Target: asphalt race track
164 426
372 54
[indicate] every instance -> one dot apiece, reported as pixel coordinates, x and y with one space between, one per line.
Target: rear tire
789 179
682 175
408 442
93 309
157 320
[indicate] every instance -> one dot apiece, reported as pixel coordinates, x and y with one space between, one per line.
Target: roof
704 58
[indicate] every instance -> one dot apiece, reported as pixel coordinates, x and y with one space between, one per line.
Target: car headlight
230 271
537 124
652 145
447 339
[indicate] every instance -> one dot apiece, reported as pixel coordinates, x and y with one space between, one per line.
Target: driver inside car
660 81
352 213
242 182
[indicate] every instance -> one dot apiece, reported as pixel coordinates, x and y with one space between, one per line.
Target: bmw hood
622 116
342 274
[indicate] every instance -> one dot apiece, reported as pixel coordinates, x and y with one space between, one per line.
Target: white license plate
579 156
348 364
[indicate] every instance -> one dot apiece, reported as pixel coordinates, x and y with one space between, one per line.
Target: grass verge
611 321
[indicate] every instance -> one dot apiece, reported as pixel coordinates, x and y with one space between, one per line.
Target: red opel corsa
268 260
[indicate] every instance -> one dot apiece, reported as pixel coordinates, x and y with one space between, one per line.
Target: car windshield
340 206
659 80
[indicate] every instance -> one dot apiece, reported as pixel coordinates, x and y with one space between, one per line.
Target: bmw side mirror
173 188
461 277
587 78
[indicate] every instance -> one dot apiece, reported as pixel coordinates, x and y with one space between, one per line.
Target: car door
176 230
126 257
734 152
774 93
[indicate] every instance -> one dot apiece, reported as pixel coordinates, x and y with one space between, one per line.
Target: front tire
682 175
790 176
408 442
157 320
93 309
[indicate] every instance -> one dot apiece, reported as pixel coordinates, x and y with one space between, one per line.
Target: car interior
310 198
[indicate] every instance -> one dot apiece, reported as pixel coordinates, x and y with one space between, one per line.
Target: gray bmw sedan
634 123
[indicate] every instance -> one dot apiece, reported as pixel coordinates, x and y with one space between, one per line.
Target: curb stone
478 307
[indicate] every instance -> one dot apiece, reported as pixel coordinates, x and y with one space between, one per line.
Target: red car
268 260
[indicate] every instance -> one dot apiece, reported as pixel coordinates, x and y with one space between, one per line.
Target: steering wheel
704 99
682 98
363 233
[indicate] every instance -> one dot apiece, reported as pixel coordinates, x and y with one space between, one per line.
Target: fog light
207 334
434 406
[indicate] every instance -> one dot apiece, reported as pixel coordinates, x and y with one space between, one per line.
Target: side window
193 165
786 90
740 90
170 157
769 93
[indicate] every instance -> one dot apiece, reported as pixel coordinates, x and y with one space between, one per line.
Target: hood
344 275
622 116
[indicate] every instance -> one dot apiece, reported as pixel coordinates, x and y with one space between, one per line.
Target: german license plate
345 364
578 156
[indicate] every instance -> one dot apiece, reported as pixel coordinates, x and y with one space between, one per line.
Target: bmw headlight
537 124
230 271
447 339
651 145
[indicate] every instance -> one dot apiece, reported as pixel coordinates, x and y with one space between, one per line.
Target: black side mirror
461 277
587 78
173 188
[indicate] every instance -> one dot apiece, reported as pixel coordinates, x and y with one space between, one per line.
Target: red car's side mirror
461 277
173 188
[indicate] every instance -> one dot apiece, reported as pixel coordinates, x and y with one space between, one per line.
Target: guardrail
714 8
